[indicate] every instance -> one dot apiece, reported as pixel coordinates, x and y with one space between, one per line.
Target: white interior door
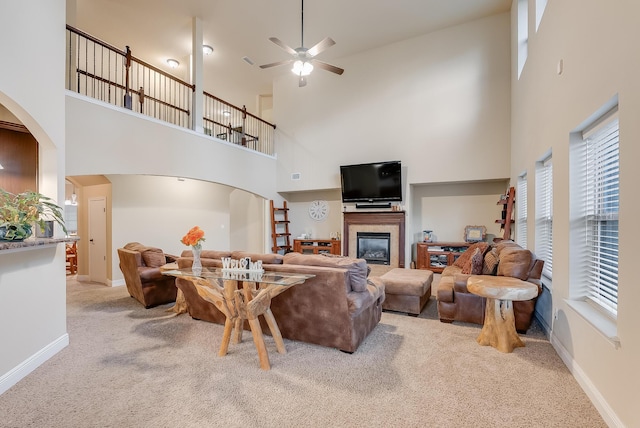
98 240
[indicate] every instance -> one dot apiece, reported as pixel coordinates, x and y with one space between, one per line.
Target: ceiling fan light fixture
301 68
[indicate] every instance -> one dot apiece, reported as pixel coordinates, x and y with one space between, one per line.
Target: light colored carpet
127 366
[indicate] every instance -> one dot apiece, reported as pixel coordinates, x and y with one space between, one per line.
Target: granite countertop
35 243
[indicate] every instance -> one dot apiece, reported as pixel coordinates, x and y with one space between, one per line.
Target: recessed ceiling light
173 63
207 50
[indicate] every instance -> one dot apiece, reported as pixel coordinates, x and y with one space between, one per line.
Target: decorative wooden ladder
280 229
507 213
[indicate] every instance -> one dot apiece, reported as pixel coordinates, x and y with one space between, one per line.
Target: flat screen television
371 182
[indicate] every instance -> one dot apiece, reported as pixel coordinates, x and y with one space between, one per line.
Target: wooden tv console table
317 246
435 256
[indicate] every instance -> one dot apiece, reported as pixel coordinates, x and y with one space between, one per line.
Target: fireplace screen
374 247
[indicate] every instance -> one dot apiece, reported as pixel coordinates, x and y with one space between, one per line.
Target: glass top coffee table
222 288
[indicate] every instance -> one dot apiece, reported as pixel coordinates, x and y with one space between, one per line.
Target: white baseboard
109 283
19 372
587 386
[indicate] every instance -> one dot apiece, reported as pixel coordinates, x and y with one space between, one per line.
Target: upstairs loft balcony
104 72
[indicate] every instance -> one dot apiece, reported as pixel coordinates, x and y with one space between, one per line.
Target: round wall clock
318 210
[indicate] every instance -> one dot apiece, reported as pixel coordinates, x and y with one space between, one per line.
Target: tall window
540 6
544 217
521 211
595 192
523 33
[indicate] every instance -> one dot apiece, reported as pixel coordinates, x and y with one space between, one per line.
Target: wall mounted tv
371 182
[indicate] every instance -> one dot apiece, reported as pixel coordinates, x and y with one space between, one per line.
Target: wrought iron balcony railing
104 72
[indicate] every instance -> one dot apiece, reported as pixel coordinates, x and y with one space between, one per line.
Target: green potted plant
19 212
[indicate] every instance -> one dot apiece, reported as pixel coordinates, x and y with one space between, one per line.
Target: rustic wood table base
238 305
499 329
221 289
180 307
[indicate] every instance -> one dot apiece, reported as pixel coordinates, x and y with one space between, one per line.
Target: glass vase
196 267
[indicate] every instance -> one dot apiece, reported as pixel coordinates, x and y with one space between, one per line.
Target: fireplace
374 247
372 223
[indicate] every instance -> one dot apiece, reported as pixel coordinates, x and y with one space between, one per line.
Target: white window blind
544 216
601 182
521 211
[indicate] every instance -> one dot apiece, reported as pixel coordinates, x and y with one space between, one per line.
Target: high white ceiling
160 29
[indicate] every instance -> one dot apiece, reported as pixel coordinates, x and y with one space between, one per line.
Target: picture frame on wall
474 233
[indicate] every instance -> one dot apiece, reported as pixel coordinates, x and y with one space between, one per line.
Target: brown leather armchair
456 303
140 266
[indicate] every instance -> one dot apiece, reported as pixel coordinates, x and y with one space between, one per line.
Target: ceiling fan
304 59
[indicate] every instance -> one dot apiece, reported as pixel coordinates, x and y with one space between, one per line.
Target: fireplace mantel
394 219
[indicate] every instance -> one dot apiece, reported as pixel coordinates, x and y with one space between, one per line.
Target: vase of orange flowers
194 238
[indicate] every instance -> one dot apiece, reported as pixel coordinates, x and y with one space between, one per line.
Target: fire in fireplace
374 247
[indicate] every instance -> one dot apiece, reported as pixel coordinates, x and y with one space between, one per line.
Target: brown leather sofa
505 258
140 266
337 308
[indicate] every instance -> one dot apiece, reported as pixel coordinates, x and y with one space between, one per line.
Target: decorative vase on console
193 238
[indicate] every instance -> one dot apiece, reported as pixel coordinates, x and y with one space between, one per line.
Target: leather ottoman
407 290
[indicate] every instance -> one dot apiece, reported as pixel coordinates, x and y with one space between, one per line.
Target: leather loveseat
505 258
140 266
337 308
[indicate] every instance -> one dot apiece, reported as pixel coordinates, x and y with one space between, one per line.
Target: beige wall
440 103
597 43
447 208
158 211
36 98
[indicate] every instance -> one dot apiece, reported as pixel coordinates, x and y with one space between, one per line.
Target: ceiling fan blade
328 67
275 64
302 82
278 42
321 46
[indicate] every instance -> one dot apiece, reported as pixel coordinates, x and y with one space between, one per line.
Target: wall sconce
173 63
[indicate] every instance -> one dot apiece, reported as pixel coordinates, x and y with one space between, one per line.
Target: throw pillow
477 262
466 256
153 257
474 264
490 263
515 262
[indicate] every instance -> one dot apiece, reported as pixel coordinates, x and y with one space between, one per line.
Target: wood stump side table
499 329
